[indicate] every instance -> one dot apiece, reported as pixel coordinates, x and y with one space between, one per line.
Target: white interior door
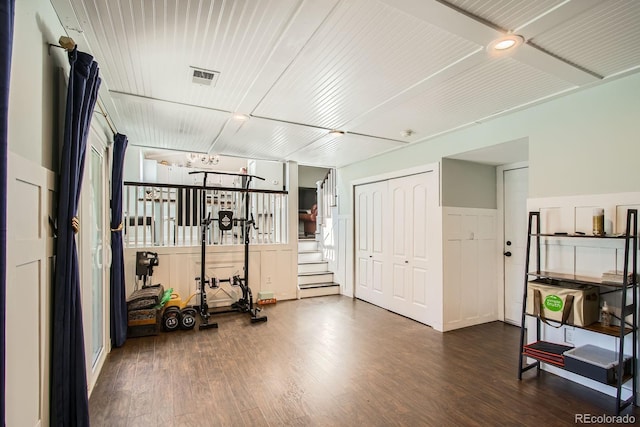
412 204
371 242
516 183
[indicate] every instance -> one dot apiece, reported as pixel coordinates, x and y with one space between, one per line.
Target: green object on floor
165 297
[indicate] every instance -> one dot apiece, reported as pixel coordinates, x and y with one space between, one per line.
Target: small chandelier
203 159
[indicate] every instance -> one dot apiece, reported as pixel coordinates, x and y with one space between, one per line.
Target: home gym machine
225 223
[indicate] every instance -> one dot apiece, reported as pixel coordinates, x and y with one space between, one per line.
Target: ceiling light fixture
240 117
209 160
505 43
336 132
205 159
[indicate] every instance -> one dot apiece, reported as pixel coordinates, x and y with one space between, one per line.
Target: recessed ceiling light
336 132
506 43
240 117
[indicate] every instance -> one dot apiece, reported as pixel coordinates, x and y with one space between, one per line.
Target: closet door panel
401 230
410 258
396 240
363 250
371 201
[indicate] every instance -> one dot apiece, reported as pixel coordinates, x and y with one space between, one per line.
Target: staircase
314 277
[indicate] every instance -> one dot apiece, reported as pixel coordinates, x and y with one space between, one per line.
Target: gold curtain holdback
75 224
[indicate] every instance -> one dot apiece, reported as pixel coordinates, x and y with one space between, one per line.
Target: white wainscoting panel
469 267
269 267
29 281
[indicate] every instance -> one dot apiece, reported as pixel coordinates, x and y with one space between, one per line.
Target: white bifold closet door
372 241
395 242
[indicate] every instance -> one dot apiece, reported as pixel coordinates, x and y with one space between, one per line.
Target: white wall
272 172
36 113
133 164
35 102
269 270
35 97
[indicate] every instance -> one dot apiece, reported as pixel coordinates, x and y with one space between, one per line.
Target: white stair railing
326 196
170 215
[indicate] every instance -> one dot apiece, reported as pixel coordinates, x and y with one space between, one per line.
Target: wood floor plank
253 417
332 361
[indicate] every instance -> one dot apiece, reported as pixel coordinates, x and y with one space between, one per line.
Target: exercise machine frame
245 303
145 261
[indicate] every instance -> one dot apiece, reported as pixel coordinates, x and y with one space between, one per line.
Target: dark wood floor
332 361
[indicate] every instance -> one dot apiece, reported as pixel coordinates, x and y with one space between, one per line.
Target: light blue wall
584 143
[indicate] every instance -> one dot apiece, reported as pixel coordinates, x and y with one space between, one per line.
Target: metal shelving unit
628 308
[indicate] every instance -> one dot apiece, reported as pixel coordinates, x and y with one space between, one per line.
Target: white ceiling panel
507 15
147 47
495 86
265 139
342 150
371 68
364 54
604 39
165 125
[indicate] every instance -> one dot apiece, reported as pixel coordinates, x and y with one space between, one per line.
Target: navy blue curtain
6 35
118 294
69 400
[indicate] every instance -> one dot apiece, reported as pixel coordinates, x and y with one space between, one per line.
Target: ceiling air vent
205 77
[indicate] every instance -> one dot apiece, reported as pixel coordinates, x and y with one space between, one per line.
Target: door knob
508 253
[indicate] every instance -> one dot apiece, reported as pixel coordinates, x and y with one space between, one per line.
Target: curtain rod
66 43
106 118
